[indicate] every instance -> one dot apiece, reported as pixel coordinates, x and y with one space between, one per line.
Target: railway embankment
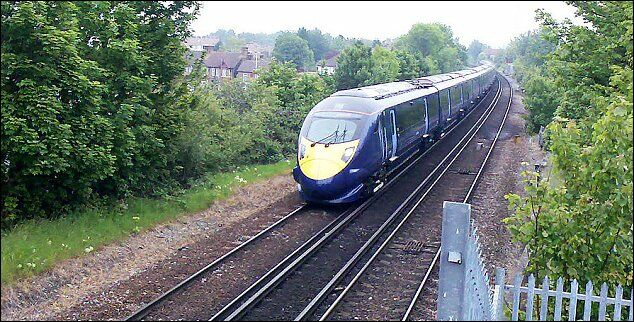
103 283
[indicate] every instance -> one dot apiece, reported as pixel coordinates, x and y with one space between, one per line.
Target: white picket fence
465 292
525 299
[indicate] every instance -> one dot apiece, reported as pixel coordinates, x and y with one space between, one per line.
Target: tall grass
36 245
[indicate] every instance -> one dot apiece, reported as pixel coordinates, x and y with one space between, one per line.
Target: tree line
95 104
425 50
576 219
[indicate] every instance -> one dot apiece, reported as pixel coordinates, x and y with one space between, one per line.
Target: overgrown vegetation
95 105
580 85
33 246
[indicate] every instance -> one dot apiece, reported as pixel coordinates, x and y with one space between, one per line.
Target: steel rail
145 310
421 286
239 305
308 310
247 303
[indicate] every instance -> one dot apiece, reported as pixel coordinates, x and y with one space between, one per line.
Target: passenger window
409 114
455 96
444 101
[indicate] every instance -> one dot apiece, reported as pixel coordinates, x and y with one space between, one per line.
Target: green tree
434 42
87 91
473 52
318 42
291 48
580 225
354 66
297 94
384 66
409 65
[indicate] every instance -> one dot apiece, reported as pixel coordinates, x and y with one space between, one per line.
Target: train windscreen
333 127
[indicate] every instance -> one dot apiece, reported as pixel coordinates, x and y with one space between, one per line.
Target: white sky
491 22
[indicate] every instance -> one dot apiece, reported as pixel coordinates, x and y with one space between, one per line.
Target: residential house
247 69
490 53
221 65
263 51
244 65
327 66
192 57
208 44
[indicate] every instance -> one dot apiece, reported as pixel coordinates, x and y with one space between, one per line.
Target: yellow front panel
321 162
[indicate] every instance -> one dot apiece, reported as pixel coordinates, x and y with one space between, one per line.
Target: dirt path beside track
101 285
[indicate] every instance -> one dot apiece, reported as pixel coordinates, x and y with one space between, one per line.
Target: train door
426 116
389 134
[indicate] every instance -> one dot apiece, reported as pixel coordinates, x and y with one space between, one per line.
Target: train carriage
350 140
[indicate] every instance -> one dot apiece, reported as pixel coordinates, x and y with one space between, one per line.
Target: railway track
466 199
302 211
285 291
164 304
408 247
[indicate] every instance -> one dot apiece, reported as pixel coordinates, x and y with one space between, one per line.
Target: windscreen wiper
327 137
343 135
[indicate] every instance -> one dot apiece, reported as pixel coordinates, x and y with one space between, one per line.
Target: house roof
201 41
216 59
248 65
332 61
255 47
192 56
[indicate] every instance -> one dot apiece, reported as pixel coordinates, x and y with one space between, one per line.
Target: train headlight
302 151
347 154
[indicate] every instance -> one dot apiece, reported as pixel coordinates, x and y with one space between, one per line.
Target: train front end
329 167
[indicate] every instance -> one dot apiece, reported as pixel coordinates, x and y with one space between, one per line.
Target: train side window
455 96
419 104
467 90
444 100
432 109
408 114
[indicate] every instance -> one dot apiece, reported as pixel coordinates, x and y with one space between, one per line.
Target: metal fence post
498 299
455 232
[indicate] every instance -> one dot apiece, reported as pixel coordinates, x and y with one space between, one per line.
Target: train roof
375 98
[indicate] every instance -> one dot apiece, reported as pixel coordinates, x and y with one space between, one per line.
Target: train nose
320 169
323 161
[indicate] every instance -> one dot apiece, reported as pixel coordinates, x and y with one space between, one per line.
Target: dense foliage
577 220
90 101
289 47
318 42
437 49
476 52
529 53
95 104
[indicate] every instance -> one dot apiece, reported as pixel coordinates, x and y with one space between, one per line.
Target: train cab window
333 127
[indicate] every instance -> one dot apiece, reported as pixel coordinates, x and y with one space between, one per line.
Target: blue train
351 140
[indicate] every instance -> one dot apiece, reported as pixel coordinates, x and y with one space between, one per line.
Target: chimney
244 52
